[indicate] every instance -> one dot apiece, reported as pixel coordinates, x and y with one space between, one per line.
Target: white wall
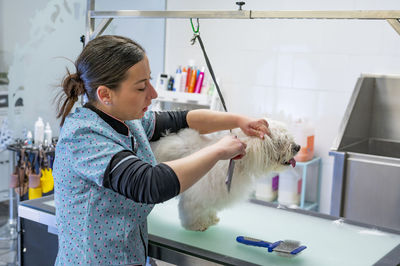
38 38
14 25
306 68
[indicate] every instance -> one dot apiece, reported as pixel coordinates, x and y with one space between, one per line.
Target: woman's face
134 96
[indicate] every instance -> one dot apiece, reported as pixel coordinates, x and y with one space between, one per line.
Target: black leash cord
197 36
231 166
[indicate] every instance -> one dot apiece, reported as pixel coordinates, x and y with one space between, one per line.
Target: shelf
309 206
183 97
303 204
313 160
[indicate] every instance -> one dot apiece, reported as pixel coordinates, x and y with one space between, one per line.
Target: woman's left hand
254 127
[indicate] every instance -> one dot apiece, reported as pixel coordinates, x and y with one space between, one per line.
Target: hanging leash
196 36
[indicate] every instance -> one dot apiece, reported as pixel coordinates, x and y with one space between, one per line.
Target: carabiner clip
195 31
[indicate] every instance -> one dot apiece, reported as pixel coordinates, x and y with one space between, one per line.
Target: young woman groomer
106 177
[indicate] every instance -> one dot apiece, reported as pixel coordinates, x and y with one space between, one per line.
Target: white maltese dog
198 205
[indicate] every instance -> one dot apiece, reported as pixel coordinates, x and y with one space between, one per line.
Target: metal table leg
9 230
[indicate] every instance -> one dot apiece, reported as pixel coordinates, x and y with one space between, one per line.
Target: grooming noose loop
198 25
195 31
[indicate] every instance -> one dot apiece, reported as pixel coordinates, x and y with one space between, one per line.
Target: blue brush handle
253 242
298 250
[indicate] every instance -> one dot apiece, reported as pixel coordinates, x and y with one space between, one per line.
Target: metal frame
305 165
337 182
391 16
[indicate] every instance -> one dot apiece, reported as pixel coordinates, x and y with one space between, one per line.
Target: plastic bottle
29 138
289 191
162 82
199 82
204 87
177 80
48 134
192 80
170 85
304 135
267 187
189 74
183 80
39 132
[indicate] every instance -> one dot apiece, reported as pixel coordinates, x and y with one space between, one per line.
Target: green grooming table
329 241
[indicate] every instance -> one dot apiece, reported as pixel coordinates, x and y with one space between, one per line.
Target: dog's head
275 152
283 146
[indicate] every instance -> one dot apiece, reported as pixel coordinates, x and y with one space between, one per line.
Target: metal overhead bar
244 14
391 16
171 14
395 23
331 14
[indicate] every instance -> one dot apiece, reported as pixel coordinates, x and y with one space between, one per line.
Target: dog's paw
204 225
197 227
202 229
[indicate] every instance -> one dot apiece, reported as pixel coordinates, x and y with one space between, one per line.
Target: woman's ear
104 95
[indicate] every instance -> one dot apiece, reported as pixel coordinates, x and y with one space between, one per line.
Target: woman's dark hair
103 61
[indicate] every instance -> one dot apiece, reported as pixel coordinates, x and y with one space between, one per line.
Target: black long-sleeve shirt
137 180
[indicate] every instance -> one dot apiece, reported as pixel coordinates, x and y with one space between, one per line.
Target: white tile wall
304 67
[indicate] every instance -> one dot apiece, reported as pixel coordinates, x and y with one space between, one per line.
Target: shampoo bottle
192 80
39 132
183 80
48 134
177 80
199 82
304 133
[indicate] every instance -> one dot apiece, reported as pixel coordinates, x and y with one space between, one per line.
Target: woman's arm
168 121
191 168
127 175
207 121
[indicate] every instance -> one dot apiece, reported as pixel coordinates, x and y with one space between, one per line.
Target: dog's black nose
296 148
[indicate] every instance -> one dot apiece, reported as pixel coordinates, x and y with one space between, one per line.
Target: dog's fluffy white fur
198 205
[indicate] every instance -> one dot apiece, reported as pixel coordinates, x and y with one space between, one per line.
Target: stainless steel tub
366 177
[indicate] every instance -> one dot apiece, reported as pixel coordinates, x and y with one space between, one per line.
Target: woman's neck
107 110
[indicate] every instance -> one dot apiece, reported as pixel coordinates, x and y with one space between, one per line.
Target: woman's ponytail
72 87
104 61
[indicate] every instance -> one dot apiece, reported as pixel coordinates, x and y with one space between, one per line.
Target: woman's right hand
231 147
191 168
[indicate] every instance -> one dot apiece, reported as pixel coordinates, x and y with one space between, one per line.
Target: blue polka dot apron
97 226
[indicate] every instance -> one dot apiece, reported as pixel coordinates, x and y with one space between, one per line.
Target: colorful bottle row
188 79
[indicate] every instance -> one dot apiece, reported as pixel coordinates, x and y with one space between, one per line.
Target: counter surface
329 241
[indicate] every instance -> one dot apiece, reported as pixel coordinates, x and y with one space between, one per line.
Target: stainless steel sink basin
373 146
366 176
